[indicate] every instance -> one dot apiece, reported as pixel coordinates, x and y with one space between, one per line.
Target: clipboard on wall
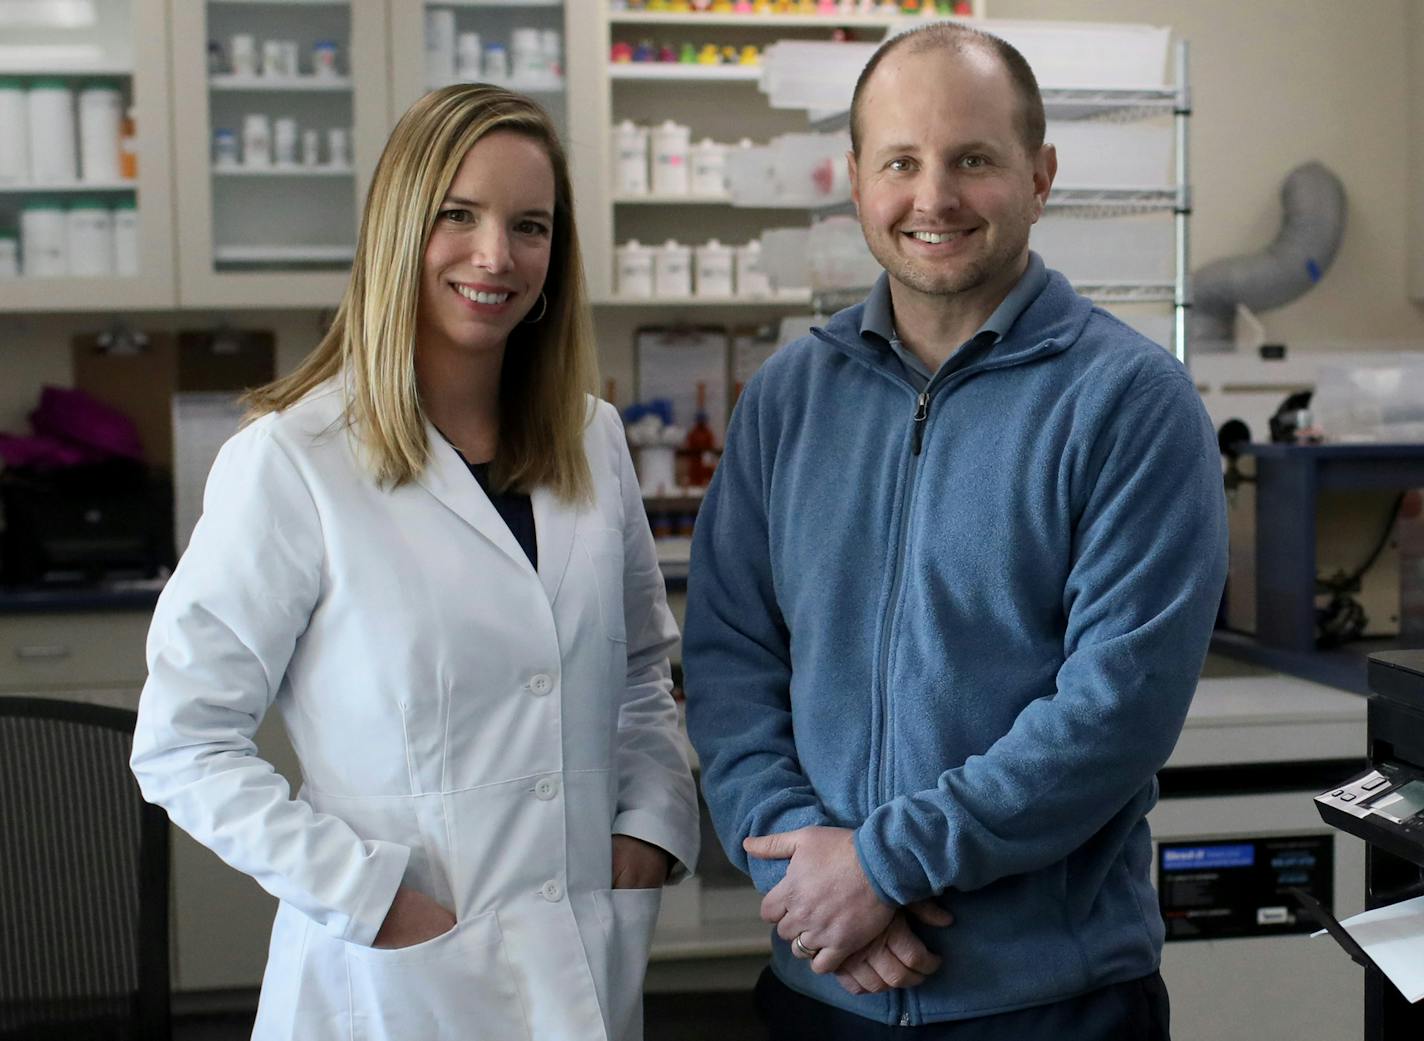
670 363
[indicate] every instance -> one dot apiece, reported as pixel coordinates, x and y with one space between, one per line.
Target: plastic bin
1136 250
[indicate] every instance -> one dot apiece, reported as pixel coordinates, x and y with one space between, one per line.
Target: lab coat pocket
458 985
629 917
604 547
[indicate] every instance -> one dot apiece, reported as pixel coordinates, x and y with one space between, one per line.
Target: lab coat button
541 684
546 788
551 891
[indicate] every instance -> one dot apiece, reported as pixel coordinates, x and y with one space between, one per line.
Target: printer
1384 805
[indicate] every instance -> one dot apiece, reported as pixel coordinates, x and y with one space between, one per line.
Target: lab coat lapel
448 479
554 525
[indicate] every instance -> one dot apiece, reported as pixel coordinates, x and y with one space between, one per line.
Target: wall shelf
258 255
676 72
283 171
770 21
280 3
61 69
529 86
791 300
285 84
70 188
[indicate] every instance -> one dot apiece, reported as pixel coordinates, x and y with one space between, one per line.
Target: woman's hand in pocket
412 919
638 864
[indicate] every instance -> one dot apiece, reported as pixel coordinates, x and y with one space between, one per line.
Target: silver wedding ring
801 950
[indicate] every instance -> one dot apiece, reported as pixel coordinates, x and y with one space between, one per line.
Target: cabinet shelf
70 188
697 200
281 3
770 21
258 255
1128 292
1120 102
283 171
285 84
78 70
525 86
677 72
792 300
721 199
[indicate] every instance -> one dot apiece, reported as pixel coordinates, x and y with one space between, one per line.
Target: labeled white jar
672 270
242 54
439 46
225 150
256 140
14 132
101 109
44 243
9 257
714 269
126 238
324 58
284 141
709 168
635 269
89 227
630 154
51 117
670 144
751 279
526 54
469 57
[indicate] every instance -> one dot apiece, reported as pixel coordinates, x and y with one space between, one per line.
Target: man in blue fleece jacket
951 591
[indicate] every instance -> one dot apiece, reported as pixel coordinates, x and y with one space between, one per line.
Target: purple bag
72 428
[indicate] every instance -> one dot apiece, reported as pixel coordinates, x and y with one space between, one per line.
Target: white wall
1277 83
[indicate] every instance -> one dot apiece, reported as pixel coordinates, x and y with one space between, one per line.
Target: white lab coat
465 726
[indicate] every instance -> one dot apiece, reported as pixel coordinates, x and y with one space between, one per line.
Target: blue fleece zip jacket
967 626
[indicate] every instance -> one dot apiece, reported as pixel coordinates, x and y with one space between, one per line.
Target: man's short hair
958 38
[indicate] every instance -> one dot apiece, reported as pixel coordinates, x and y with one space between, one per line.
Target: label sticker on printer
1238 887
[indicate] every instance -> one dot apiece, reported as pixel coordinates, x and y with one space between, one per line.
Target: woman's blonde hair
549 365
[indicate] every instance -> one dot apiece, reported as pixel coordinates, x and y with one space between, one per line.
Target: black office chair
83 879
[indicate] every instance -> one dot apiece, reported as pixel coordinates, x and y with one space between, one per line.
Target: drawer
41 652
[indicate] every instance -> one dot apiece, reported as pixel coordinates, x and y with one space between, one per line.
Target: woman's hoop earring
543 310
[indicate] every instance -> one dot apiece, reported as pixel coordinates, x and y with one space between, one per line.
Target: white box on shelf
839 256
1138 249
1089 54
751 176
784 257
811 74
1099 154
810 169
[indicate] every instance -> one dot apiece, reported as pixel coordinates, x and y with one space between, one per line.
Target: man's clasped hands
826 908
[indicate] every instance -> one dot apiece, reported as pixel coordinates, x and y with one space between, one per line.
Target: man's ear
1045 169
854 183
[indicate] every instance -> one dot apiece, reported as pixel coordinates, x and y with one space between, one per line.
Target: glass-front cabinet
515 43
85 177
281 108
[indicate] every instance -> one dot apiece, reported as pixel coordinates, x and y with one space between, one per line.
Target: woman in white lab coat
475 681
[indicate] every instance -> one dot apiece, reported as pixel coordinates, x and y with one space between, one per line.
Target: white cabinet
519 44
122 43
270 226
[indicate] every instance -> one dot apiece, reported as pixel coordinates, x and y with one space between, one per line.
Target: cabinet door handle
42 652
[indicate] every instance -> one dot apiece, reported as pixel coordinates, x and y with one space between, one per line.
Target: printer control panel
1384 805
